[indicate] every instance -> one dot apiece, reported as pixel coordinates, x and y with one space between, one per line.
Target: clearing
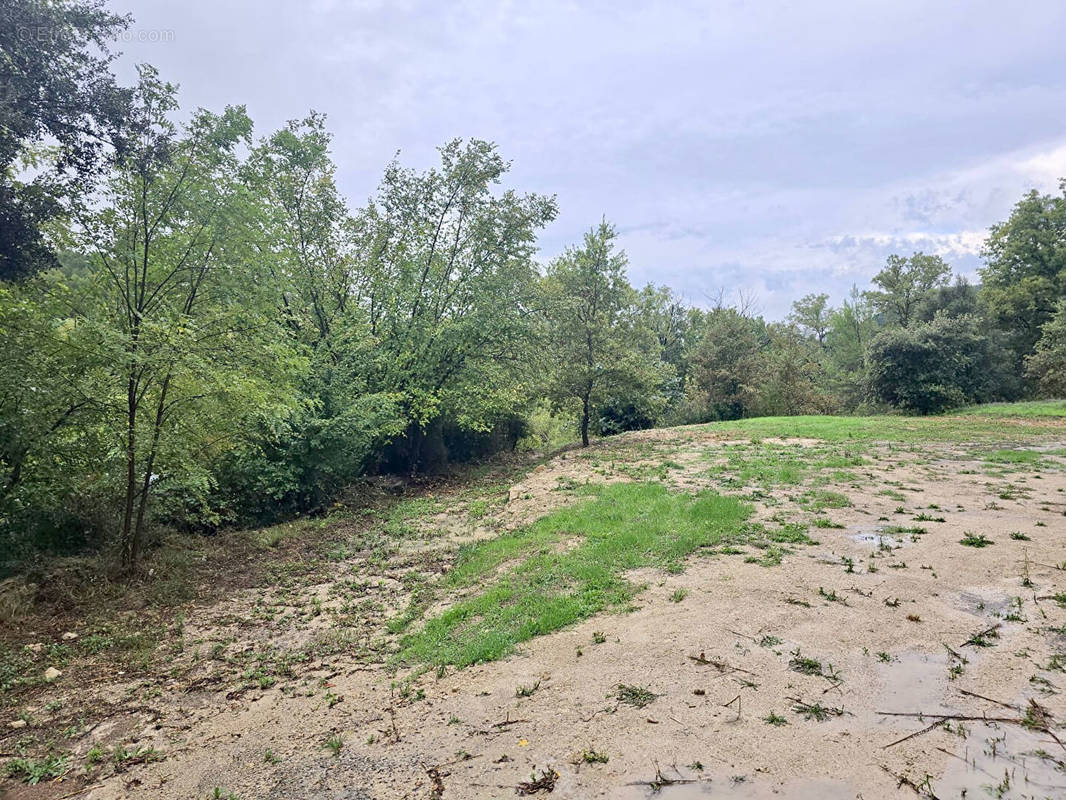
808 607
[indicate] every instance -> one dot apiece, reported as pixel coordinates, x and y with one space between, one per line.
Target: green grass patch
568 566
980 423
1035 408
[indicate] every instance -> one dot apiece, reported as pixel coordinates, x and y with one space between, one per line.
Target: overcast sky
771 148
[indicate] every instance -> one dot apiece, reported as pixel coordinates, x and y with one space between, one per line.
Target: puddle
1004 761
874 536
981 606
876 540
758 789
912 681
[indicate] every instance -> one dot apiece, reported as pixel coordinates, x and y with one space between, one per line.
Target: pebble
51 674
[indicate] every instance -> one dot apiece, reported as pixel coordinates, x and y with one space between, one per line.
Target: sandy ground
720 662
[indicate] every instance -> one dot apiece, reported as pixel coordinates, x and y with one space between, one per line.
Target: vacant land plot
812 607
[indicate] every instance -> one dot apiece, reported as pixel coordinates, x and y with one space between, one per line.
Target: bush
935 366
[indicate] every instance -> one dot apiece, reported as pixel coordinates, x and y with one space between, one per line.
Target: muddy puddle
1003 761
746 789
874 536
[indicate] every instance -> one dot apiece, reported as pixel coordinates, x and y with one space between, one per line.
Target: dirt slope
763 680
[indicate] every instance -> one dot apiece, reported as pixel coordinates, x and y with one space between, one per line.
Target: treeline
199 331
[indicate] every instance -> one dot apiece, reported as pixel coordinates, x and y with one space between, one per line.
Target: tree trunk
585 421
129 545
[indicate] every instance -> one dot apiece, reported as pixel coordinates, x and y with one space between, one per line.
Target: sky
759 149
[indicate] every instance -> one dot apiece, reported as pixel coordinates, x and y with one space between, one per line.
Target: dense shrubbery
226 342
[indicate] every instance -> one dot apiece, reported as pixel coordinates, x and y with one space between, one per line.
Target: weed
334 744
527 691
1018 536
816 711
637 696
678 595
803 664
598 637
775 720
831 596
975 540
35 770
591 756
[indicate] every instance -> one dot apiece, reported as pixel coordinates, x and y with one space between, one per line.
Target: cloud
775 147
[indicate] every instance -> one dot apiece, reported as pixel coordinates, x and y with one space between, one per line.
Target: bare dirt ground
887 659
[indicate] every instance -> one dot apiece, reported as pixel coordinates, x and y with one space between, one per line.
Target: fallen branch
989 699
926 729
719 664
956 717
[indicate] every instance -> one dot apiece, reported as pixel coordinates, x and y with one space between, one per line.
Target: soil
721 662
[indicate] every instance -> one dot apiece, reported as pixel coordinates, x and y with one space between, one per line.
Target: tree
905 283
851 327
1047 364
61 115
931 367
727 365
811 314
674 325
1025 267
791 374
314 251
598 347
175 317
449 285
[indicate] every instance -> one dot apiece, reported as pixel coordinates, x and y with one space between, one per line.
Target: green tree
791 374
931 367
811 314
851 328
727 365
314 251
1025 267
1047 364
449 287
904 283
175 316
61 115
600 350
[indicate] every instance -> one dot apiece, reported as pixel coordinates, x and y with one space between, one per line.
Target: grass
1036 408
966 425
568 566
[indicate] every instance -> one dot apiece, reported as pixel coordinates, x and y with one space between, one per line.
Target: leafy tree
811 314
600 350
1025 271
931 367
1047 364
791 374
851 328
727 365
61 115
954 299
905 283
314 251
174 317
449 288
